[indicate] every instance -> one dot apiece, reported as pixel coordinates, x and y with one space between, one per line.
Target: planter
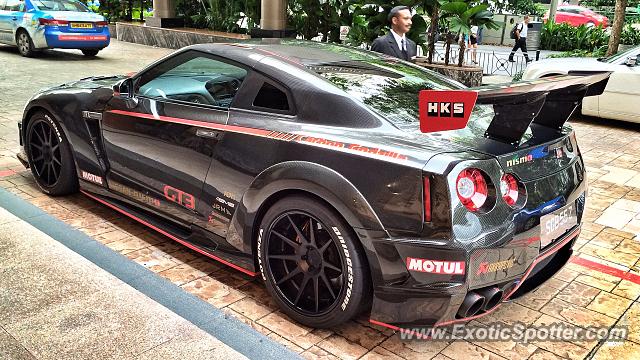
471 76
112 31
172 38
623 47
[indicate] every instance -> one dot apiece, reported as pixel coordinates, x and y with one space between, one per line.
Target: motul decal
436 266
487 267
179 197
82 37
445 110
91 177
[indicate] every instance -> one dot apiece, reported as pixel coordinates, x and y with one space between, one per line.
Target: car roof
299 52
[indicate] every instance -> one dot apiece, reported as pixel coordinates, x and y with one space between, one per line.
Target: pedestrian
472 43
521 39
396 43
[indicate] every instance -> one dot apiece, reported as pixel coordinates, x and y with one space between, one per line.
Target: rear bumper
53 37
437 306
504 261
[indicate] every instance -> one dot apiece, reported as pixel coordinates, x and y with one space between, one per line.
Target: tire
49 155
25 44
320 281
90 52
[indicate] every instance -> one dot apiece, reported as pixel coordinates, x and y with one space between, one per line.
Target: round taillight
472 189
509 189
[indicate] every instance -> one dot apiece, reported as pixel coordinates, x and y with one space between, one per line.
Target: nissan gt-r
348 181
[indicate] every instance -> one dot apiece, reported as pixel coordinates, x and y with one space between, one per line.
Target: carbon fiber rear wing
548 102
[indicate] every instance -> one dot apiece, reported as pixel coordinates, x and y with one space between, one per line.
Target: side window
270 97
14 5
193 77
2 2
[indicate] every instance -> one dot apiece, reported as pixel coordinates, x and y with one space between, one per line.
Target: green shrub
599 52
564 37
630 36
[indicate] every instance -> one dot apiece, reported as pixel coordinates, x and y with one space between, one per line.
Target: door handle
14 18
207 133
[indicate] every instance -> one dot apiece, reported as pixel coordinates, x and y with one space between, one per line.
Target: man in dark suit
396 43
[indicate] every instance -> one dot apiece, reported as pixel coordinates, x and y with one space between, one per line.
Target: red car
578 15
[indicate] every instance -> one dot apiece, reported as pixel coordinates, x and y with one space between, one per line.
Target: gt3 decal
445 110
436 266
91 177
179 197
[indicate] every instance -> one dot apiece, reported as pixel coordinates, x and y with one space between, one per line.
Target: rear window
388 87
60 5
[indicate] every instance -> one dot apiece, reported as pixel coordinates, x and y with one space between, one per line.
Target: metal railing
491 62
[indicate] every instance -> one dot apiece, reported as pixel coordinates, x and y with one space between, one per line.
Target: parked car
578 15
34 25
620 99
306 164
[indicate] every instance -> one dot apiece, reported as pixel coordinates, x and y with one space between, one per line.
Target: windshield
621 56
388 87
60 5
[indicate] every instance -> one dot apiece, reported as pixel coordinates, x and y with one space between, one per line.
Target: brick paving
578 295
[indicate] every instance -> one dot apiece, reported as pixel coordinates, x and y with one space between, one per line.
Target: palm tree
462 15
616 29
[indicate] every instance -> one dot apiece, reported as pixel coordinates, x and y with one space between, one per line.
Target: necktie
405 56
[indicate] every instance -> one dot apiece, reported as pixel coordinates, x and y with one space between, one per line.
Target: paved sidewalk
56 304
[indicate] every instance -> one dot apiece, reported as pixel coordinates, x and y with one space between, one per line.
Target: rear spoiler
548 102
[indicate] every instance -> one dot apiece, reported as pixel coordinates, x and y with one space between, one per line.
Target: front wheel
25 44
90 52
49 155
312 264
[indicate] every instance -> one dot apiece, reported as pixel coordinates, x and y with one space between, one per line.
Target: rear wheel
311 263
25 44
90 52
49 155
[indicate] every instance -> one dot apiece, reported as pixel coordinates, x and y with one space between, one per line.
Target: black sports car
304 163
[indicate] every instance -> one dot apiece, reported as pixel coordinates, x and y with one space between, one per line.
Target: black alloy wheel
44 148
305 263
49 155
311 263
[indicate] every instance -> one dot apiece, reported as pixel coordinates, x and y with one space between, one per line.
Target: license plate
82 25
555 224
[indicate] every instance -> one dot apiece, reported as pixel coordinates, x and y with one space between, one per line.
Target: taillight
427 200
101 24
53 22
509 189
472 189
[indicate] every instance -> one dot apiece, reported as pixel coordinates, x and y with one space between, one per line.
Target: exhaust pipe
492 297
471 305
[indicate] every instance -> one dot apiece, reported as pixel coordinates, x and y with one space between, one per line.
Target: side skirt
158 226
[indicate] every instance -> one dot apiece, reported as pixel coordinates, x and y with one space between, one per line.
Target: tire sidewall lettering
54 126
260 266
349 263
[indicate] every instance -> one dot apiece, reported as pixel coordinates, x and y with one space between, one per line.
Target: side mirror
123 90
632 61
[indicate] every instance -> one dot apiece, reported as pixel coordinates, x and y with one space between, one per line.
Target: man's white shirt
523 29
399 40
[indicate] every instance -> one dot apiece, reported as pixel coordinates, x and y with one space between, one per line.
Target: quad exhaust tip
482 300
492 297
471 305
